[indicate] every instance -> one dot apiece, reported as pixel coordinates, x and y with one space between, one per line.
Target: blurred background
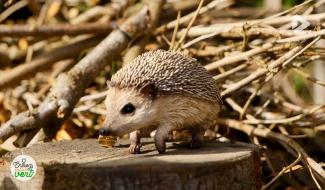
236 40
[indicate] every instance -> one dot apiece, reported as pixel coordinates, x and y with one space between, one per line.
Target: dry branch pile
52 85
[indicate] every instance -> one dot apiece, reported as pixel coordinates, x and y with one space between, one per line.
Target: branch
70 86
261 72
302 37
110 10
266 133
308 77
314 19
271 69
13 8
240 57
45 61
55 30
218 4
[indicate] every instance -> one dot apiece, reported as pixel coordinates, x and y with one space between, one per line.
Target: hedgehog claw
160 144
161 147
160 139
135 148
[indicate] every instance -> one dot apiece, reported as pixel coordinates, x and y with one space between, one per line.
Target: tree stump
84 164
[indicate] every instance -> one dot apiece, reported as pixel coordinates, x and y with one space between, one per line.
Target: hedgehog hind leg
197 138
196 141
161 136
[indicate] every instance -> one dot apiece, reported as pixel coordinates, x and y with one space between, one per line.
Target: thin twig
284 170
308 77
55 30
218 4
13 8
189 26
240 57
172 46
46 60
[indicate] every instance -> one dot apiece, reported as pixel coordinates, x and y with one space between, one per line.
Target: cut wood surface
84 164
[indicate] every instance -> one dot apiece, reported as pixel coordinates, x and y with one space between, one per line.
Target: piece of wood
84 164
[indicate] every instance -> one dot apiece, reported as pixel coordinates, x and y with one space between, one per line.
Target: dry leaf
62 135
23 44
53 9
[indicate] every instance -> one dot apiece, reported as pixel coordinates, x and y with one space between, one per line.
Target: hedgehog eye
127 108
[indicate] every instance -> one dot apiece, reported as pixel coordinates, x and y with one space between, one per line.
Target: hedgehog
164 91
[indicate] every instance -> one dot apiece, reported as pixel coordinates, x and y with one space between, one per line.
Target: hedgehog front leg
135 144
161 136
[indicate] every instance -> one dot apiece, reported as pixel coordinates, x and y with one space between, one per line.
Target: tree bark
84 164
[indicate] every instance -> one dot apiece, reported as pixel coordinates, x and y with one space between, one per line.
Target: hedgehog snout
106 129
104 132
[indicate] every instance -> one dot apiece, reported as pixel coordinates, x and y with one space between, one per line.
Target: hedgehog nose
103 132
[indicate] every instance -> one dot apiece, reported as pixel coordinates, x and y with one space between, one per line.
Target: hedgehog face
128 110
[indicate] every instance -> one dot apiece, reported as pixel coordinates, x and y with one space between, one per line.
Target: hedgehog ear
149 90
110 84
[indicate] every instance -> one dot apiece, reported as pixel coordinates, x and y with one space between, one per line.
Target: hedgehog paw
195 144
135 148
160 145
161 148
